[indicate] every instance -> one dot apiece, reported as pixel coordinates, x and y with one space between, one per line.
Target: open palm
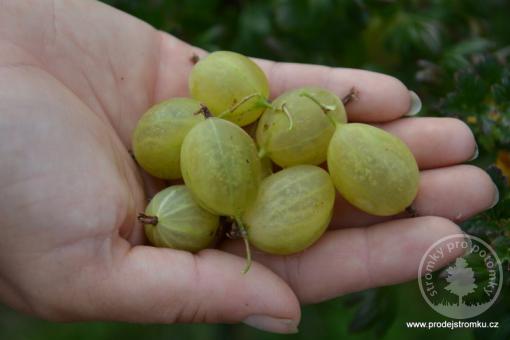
75 76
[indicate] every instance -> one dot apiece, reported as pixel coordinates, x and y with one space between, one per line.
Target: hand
75 76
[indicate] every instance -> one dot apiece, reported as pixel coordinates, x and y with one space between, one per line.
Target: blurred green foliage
453 53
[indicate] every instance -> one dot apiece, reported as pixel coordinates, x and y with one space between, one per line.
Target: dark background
453 53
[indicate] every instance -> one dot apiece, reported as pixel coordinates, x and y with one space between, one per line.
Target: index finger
380 97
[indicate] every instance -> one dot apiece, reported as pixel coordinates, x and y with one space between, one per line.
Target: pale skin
75 76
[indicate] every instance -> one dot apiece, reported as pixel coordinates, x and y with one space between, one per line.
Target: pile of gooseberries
257 166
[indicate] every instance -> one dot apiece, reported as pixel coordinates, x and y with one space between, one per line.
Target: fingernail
270 324
415 105
496 197
475 154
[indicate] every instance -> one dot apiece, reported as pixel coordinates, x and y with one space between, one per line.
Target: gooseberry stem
146 219
263 102
351 96
194 59
244 235
287 113
205 111
242 101
324 108
411 212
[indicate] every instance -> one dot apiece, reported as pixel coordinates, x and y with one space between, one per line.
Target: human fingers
354 259
456 193
159 285
379 97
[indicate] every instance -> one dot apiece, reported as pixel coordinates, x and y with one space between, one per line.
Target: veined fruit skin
312 127
293 209
372 169
222 79
182 223
158 136
220 166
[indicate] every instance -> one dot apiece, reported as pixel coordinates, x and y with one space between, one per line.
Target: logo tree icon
461 279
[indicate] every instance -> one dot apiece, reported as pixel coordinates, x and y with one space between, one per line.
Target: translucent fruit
174 220
220 165
292 210
159 134
231 85
372 169
299 127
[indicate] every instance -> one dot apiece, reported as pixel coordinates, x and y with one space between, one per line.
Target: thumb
158 285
